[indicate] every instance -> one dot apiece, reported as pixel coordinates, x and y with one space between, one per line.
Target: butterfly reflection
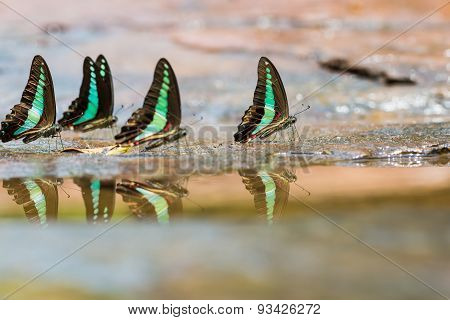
39 198
153 199
99 198
270 190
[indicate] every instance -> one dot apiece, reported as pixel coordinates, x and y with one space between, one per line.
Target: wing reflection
99 198
153 199
39 198
270 190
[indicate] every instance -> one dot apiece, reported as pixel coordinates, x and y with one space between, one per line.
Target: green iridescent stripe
162 106
269 104
38 198
95 195
102 68
270 189
93 101
37 107
159 203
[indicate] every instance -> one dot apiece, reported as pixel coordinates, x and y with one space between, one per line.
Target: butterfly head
114 119
292 120
55 129
182 132
289 175
180 191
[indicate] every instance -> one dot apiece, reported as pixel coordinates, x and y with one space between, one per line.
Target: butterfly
35 115
269 189
99 198
93 109
270 111
158 121
153 199
39 198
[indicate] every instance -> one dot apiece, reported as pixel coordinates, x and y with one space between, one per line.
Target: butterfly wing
36 111
96 97
270 192
105 88
99 198
281 195
38 197
79 106
148 202
270 105
160 113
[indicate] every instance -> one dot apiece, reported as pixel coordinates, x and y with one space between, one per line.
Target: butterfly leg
112 132
186 143
60 140
292 136
297 135
276 137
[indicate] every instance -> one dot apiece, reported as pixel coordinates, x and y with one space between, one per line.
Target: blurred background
376 224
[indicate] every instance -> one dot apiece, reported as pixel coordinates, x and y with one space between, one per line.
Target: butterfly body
97 124
35 115
171 136
52 131
93 108
270 110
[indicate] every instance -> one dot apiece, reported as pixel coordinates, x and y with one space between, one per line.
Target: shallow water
205 232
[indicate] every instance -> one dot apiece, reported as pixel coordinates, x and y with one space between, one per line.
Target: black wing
105 87
96 97
99 198
79 105
161 111
148 201
270 103
36 111
270 192
38 197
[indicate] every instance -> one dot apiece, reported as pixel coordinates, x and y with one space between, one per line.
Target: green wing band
95 194
37 107
162 106
270 189
93 101
102 68
38 198
269 104
159 203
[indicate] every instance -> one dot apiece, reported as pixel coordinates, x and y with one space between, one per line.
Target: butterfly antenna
69 188
196 121
306 191
62 189
122 107
196 203
307 108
